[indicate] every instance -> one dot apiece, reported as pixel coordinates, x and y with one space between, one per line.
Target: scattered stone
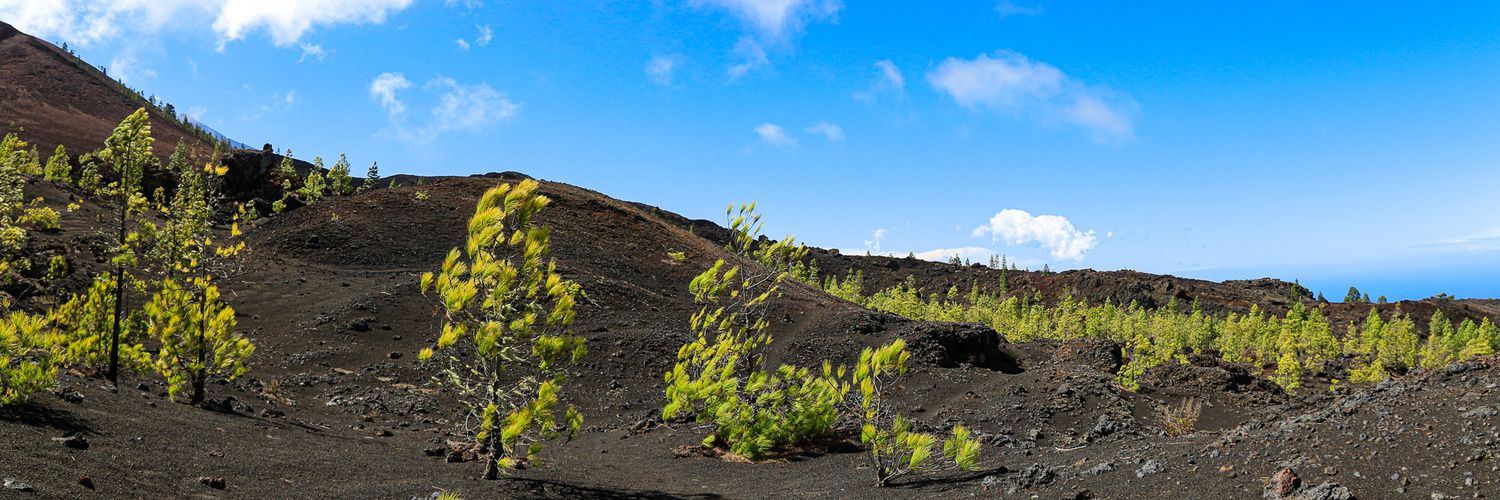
86 481
990 482
1283 484
1329 490
1082 495
142 387
270 413
394 355
68 394
1150 467
383 433
1036 475
1033 434
1436 495
436 451
75 441
1099 469
15 484
212 482
1481 412
1330 471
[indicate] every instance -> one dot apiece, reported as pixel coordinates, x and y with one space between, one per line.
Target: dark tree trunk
114 338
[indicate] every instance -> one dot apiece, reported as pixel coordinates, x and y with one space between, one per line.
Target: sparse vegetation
1177 420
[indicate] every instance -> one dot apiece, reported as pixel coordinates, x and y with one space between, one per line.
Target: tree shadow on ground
946 481
39 415
542 488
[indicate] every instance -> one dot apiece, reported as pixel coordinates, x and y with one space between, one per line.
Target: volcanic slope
59 99
337 406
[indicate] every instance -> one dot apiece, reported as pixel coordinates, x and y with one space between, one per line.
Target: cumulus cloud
775 136
661 69
1052 232
85 22
890 82
829 130
459 107
778 19
1006 9
1010 83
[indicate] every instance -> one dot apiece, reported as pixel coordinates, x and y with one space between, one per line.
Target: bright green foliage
505 335
57 168
1353 296
313 186
29 355
128 151
1294 345
88 177
717 375
197 338
87 320
339 179
778 257
278 206
288 172
895 449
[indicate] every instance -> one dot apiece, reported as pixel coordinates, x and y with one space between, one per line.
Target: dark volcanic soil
337 405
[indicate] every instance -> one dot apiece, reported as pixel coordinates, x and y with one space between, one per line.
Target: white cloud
778 19
1007 9
85 22
873 246
468 107
384 87
312 50
1013 84
485 35
973 254
462 45
1052 232
470 4
833 132
460 107
775 136
890 81
126 69
754 57
197 112
661 69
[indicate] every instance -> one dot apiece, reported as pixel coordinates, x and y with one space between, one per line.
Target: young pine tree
505 328
128 151
195 328
895 448
313 187
339 179
58 169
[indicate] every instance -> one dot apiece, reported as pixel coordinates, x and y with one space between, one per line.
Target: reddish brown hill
55 98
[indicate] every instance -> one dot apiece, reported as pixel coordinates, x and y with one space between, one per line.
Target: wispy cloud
752 56
1006 9
459 107
890 82
485 35
384 88
462 45
1010 83
873 245
661 69
312 50
125 67
1052 232
775 136
86 22
973 254
775 20
829 130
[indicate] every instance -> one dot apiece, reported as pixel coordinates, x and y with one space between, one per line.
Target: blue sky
1337 144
